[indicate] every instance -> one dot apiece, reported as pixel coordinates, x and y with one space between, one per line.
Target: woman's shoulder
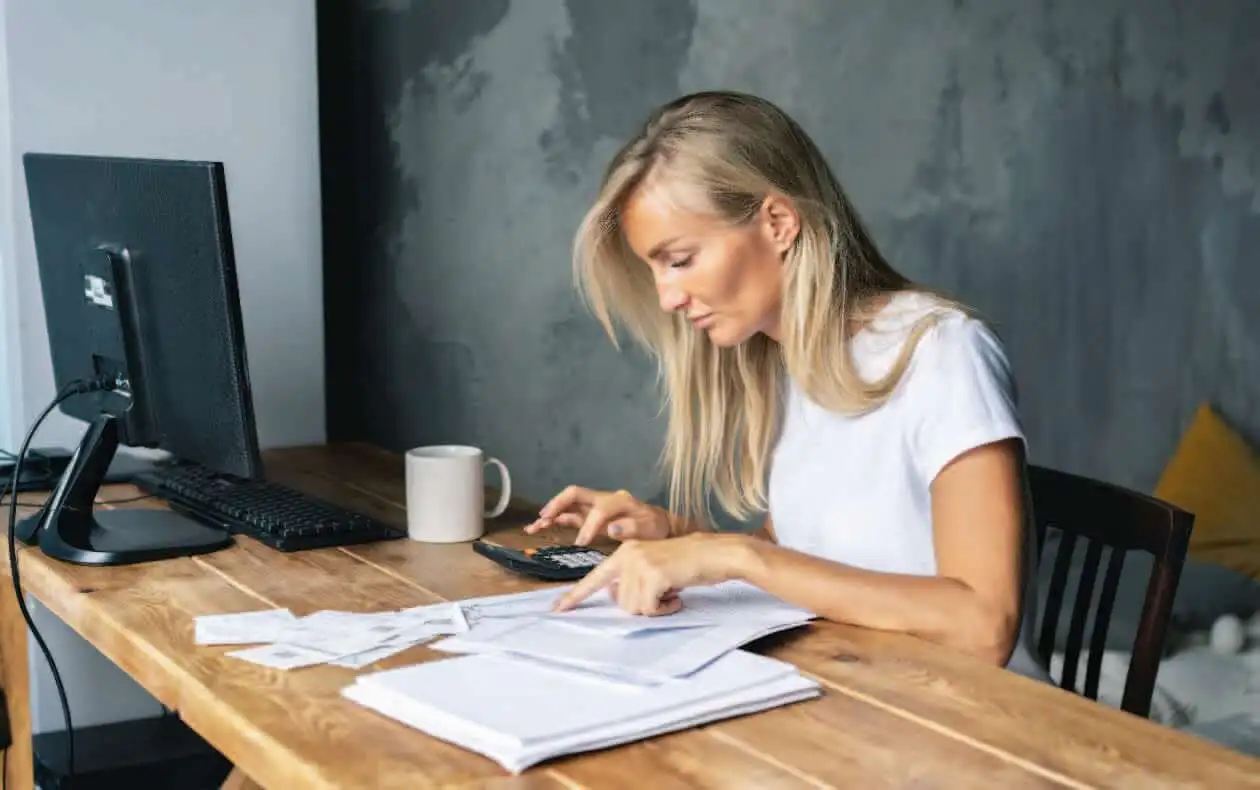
958 357
943 332
904 310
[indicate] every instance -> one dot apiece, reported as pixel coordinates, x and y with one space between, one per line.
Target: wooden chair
1107 516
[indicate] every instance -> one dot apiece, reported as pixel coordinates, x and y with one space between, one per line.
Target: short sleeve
962 393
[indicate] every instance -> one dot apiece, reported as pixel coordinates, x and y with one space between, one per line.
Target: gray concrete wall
1087 174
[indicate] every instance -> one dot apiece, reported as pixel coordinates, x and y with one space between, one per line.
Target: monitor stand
69 527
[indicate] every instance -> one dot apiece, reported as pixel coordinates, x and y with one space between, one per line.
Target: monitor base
69 527
125 537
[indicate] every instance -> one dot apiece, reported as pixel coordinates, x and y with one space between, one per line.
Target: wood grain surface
18 768
896 712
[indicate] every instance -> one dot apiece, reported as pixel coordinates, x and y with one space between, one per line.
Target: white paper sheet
465 701
348 639
646 657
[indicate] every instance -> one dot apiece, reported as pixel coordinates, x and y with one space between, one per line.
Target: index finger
573 495
604 574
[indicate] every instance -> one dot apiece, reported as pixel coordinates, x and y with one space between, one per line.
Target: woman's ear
780 221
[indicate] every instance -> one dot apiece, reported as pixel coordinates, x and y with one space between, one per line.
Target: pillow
1240 732
1216 697
1215 475
1219 690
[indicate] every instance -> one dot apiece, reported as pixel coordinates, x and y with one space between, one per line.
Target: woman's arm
974 602
972 605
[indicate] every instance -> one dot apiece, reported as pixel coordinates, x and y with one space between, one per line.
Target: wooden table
896 712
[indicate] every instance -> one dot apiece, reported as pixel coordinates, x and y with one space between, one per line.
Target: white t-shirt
855 489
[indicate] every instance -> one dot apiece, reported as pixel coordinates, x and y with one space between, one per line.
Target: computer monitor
138 277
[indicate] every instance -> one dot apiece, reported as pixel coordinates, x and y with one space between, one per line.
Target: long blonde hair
723 404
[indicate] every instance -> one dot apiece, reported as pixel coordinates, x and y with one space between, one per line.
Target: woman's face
726 280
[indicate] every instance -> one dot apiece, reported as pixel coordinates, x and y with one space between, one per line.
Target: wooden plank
14 679
238 780
850 743
1020 718
308 581
684 760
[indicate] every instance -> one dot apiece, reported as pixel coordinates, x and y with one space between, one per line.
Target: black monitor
139 286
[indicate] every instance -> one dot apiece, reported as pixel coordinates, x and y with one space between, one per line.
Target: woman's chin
724 335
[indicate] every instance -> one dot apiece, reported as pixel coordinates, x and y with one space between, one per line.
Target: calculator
553 563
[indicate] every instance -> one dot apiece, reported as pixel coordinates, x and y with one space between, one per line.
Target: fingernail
614 530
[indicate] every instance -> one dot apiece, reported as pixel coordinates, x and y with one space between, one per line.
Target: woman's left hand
644 576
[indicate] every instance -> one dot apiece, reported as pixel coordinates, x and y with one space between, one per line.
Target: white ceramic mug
446 493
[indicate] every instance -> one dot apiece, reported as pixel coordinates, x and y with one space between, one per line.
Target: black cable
69 391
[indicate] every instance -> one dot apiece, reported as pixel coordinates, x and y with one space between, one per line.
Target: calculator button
570 558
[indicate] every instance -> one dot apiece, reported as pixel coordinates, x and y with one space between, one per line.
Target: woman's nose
672 299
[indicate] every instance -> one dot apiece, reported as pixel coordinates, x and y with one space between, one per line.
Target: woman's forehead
661 208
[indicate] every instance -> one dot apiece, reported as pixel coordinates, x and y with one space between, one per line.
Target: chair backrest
1107 516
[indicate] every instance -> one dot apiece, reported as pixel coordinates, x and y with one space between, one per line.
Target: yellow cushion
1215 475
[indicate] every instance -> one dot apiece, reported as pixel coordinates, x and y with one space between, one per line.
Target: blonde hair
723 403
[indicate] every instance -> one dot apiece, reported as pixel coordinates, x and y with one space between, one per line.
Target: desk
896 711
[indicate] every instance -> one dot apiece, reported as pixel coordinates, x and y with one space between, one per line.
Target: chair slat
1054 596
1102 621
1115 518
1080 611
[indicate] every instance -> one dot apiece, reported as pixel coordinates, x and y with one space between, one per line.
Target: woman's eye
680 263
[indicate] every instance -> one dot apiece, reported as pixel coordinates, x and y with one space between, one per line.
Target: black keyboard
281 517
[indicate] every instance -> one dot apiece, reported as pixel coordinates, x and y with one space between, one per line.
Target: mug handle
505 493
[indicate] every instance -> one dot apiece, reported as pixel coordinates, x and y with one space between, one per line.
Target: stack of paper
347 639
600 637
506 707
621 677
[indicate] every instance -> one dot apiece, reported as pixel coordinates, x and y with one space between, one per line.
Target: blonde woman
874 421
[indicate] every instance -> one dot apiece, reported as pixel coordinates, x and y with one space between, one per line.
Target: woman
873 420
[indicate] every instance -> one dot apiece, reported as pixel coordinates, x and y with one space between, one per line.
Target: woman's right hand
614 513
